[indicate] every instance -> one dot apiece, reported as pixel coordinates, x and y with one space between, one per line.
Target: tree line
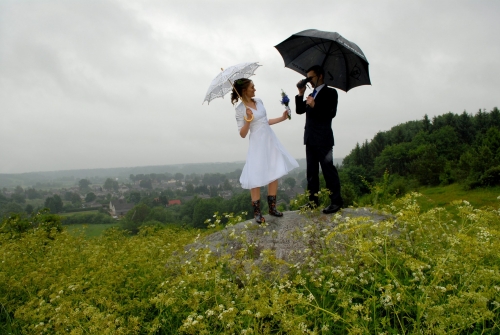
451 148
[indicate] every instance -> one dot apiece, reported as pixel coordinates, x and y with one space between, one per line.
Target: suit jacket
318 129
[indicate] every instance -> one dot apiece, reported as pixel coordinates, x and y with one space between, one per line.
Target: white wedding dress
267 159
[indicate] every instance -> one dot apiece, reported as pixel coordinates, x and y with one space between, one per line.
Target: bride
267 160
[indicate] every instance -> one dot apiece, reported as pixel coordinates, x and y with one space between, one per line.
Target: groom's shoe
332 209
309 206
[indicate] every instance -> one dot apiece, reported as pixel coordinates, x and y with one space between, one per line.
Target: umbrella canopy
344 63
223 83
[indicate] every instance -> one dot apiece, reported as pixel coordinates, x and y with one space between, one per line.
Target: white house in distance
119 207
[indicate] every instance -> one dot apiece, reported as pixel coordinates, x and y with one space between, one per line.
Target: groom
320 108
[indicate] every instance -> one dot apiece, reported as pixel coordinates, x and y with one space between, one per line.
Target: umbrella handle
239 96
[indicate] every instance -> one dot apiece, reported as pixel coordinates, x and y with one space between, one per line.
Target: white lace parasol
223 83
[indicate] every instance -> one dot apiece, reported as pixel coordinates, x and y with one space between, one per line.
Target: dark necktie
314 93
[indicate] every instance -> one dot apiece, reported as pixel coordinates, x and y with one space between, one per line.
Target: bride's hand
285 115
249 113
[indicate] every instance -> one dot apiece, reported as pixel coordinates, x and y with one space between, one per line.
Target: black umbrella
344 63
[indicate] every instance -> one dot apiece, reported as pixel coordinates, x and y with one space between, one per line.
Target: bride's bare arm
246 127
278 119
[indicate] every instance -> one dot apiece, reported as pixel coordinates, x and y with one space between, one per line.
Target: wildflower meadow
421 272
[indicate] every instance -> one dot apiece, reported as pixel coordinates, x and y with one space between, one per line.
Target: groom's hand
302 90
310 101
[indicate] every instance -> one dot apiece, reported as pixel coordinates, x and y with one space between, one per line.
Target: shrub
18 224
491 177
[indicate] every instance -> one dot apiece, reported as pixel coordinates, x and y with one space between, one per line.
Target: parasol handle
239 96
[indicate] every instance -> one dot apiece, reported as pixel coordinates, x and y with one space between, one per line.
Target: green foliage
478 165
490 177
83 184
213 179
426 164
226 185
51 223
189 189
110 185
17 225
89 231
75 199
443 196
195 211
19 196
29 209
146 183
68 195
395 158
32 193
450 148
88 218
162 199
348 193
160 214
380 193
54 203
102 285
134 197
9 208
204 209
135 218
302 199
226 219
426 272
90 197
88 209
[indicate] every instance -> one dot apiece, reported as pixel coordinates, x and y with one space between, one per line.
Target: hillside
412 272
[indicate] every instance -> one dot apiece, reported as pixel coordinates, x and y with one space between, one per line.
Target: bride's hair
239 85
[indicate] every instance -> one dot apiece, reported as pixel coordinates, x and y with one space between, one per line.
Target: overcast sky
120 83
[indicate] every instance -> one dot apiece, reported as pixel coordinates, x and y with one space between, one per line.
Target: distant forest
450 148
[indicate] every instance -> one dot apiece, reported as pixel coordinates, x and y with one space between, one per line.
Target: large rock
288 236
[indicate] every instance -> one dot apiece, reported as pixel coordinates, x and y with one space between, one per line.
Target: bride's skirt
267 159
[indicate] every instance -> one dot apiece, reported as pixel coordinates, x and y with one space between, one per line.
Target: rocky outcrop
287 236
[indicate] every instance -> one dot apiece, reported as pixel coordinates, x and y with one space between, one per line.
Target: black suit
318 139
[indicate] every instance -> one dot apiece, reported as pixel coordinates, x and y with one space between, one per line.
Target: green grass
88 230
442 196
82 212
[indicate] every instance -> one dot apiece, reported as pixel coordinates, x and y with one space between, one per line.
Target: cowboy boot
256 212
271 201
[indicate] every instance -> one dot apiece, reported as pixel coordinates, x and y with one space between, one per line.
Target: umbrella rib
317 45
346 75
326 55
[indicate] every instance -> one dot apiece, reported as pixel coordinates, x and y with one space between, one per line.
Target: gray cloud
90 84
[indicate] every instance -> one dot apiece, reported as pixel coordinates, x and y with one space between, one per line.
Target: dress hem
270 181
